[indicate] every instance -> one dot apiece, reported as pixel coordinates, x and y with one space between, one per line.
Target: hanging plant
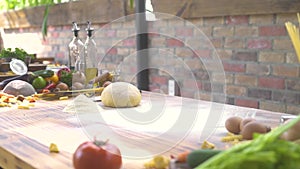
20 4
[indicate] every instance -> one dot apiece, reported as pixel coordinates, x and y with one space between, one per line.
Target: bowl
4 67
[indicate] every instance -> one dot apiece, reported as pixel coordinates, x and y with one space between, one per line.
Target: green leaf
131 3
45 22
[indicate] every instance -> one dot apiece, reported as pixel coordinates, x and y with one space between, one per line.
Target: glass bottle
76 48
90 51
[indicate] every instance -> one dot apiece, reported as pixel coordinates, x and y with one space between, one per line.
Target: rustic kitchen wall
260 65
262 70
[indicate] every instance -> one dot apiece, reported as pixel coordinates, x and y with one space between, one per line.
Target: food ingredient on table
182 157
158 162
44 73
79 77
230 137
244 127
293 133
207 145
253 127
19 87
53 148
121 94
49 87
25 105
197 157
25 77
97 155
77 86
7 100
232 124
62 86
64 69
63 98
106 83
53 79
39 82
265 151
65 76
107 76
245 121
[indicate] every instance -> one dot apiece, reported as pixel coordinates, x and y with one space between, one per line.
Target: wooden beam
204 8
96 11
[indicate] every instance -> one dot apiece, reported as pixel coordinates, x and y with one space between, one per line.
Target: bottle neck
75 33
90 34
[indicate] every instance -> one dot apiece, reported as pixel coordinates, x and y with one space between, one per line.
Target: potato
253 127
245 121
232 124
62 86
293 133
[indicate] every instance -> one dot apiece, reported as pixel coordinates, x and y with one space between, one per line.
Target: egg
253 127
245 121
232 124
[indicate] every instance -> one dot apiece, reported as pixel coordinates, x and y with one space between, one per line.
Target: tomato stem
100 143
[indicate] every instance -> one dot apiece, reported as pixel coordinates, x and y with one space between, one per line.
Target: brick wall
259 63
261 68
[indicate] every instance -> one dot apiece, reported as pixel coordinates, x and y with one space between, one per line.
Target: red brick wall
259 62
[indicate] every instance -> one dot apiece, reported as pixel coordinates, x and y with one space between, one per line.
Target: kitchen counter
161 124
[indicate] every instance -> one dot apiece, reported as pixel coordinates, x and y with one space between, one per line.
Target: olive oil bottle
90 54
76 50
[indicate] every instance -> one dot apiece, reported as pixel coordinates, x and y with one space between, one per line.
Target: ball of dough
121 94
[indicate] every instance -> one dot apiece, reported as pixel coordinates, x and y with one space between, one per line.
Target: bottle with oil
90 54
76 50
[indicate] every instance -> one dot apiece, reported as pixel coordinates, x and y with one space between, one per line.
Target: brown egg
245 121
292 133
232 124
253 127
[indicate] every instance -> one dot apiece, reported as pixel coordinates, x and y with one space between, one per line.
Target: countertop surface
161 124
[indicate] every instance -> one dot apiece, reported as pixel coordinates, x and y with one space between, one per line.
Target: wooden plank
96 11
9 160
204 8
25 153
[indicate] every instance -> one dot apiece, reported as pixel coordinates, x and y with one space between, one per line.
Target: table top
161 124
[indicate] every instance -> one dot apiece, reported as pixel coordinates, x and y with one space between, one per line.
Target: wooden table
26 134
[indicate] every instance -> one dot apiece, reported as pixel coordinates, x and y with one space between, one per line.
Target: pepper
50 86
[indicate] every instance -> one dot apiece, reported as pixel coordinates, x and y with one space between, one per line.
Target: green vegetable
18 53
44 73
266 151
39 82
197 157
66 77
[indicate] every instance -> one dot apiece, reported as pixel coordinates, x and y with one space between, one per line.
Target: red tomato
97 155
